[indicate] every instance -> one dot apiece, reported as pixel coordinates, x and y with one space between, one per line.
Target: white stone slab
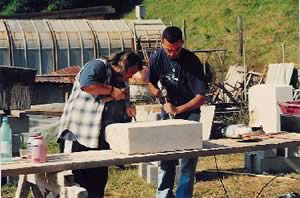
207 117
154 136
263 105
142 170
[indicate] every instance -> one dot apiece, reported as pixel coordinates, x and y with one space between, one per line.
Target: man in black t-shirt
180 72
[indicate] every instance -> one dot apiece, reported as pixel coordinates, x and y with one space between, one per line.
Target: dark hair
172 34
133 59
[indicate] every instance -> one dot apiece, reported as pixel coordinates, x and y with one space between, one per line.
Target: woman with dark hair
99 97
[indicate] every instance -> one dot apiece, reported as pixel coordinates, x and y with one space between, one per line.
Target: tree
30 6
10 7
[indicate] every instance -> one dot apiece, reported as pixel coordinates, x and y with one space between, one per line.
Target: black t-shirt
183 77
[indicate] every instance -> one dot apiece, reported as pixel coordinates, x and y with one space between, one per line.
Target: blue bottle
5 141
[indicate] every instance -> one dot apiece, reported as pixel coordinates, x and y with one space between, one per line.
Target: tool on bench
254 136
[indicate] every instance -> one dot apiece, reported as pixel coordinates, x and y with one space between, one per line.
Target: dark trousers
92 179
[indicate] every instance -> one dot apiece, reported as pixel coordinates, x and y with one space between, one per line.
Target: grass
8 191
128 184
267 24
238 184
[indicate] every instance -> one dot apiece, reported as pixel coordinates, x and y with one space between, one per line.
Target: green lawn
267 25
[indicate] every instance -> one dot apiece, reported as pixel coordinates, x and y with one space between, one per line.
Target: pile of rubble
237 81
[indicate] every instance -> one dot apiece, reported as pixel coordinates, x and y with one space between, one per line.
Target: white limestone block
263 105
142 170
154 136
207 118
152 174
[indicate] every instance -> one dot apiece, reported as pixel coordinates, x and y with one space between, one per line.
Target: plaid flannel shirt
82 114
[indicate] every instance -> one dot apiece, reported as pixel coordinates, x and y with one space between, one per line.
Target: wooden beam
92 159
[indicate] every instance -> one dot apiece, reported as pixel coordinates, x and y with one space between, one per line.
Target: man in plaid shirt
86 114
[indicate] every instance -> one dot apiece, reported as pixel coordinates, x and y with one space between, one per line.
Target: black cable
220 178
266 185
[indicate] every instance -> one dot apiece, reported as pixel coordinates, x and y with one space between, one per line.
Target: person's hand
131 111
117 94
169 108
161 100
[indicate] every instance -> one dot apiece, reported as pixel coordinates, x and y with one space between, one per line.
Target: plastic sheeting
49 45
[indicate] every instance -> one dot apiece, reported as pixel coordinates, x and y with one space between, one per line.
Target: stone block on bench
154 136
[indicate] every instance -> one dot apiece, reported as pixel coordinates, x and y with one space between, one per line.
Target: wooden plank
91 159
54 109
41 181
52 181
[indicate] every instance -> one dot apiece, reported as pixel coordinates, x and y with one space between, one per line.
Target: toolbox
290 107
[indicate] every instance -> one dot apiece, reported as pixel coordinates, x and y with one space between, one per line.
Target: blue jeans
167 173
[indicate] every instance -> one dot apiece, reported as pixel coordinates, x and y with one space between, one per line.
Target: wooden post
240 30
245 73
283 52
183 28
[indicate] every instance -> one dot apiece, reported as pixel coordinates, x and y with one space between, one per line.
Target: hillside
267 24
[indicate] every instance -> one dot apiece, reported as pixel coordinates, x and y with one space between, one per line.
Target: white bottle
5 141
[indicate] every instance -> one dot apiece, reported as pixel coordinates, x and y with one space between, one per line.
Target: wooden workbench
90 159
55 175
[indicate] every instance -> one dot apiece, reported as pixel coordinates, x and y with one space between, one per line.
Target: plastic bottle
29 140
5 141
38 150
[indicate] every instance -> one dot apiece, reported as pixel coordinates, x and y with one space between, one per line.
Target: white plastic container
38 150
235 131
29 140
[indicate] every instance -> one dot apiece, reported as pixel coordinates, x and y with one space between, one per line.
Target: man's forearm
153 90
194 103
98 89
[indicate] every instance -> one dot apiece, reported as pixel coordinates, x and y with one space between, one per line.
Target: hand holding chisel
167 106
